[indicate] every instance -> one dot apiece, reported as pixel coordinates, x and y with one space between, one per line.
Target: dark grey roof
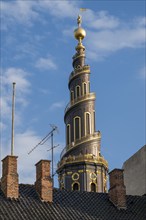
69 206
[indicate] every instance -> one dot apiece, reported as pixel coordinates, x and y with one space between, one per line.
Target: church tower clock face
81 165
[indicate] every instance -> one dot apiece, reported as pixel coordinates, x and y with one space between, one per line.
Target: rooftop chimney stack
43 182
9 180
117 191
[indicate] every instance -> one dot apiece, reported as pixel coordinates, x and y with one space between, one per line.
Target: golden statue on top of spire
79 20
79 33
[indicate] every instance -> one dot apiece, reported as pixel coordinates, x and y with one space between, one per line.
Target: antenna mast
43 141
52 148
13 114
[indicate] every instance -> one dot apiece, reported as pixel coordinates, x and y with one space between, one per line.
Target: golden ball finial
79 33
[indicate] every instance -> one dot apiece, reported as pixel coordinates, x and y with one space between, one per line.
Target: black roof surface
69 206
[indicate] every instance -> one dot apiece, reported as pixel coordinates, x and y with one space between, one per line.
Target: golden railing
89 137
79 70
81 158
80 99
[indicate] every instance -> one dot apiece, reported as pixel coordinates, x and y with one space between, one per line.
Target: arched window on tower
87 123
77 128
88 86
75 187
93 187
78 91
68 134
72 96
94 127
84 88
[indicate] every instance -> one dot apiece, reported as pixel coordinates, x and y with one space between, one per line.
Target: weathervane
79 32
79 19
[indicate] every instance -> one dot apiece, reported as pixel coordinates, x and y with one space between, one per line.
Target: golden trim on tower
86 158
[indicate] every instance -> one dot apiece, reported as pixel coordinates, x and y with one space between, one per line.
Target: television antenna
52 153
43 141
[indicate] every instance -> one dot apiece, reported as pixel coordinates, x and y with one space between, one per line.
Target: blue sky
37 45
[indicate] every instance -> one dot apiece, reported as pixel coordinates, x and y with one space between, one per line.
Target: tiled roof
69 206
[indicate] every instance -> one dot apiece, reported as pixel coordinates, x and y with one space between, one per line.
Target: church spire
81 166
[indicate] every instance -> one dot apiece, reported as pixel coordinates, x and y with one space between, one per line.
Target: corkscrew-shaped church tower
81 166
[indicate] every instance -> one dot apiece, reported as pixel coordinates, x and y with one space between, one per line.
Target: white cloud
26 12
118 39
100 20
103 43
61 9
24 142
140 21
57 105
46 64
8 76
21 11
17 75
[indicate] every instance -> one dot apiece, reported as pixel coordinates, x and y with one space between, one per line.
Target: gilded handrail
81 157
79 141
78 71
79 99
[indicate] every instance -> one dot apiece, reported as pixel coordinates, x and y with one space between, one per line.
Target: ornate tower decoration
81 166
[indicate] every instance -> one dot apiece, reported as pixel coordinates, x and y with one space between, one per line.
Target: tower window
89 86
77 128
94 128
84 88
68 134
72 95
93 187
87 123
78 91
75 187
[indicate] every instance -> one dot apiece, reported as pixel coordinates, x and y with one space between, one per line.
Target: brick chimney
117 191
9 180
43 182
